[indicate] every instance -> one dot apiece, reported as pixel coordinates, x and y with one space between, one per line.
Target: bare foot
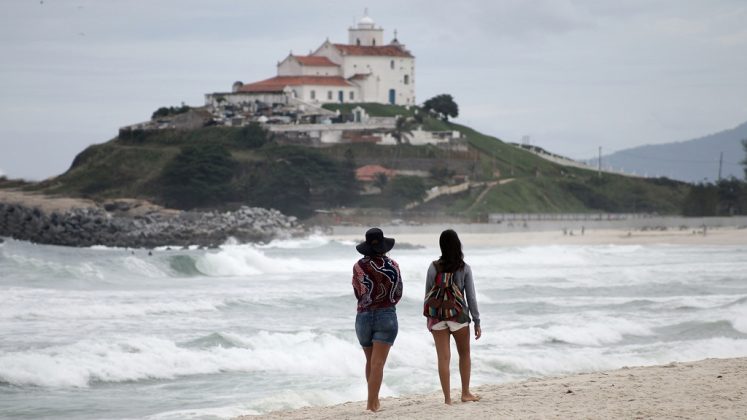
470 397
447 401
374 407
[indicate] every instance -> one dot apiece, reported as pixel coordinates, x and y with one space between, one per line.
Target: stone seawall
97 226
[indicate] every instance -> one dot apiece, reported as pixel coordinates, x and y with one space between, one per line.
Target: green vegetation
295 180
168 111
199 175
403 190
223 167
443 105
726 197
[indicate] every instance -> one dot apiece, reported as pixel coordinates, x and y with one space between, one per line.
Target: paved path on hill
490 186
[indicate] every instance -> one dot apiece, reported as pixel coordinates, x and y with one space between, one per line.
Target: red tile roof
384 50
278 83
368 172
315 61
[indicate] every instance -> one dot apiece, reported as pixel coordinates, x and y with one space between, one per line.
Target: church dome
366 22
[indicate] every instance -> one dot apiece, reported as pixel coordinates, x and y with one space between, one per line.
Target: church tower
366 33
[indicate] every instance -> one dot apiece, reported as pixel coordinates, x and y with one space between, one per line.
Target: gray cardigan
463 279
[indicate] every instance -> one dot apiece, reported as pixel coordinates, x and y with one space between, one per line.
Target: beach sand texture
707 389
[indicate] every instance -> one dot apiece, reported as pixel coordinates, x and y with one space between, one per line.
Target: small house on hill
369 173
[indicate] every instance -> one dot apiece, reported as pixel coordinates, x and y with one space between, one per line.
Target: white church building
363 70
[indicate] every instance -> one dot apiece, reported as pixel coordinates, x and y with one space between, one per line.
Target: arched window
357 41
352 95
407 79
391 64
373 42
329 95
312 94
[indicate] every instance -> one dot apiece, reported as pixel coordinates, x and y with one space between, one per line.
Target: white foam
132 358
40 304
315 240
247 260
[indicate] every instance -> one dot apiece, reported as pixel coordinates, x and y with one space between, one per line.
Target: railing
500 217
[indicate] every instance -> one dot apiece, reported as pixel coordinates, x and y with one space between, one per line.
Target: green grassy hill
221 167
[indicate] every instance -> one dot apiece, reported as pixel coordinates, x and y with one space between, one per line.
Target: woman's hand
478 332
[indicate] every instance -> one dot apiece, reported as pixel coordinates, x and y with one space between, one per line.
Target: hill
225 167
690 161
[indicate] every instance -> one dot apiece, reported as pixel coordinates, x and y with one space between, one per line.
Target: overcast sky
571 74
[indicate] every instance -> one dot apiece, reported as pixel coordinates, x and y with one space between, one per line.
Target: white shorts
451 325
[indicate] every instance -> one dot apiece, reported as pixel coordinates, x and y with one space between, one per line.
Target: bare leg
367 351
443 353
461 338
379 353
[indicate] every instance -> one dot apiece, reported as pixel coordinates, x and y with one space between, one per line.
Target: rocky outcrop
114 225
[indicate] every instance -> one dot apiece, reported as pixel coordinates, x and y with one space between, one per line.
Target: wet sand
711 388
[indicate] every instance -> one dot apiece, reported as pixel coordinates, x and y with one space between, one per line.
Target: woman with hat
377 284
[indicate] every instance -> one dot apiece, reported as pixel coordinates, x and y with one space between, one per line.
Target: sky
572 75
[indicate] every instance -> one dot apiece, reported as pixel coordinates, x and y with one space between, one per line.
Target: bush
198 176
295 180
252 136
167 111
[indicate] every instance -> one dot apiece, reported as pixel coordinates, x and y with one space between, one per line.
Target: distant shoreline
717 231
710 388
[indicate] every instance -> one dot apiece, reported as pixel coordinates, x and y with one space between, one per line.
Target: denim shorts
376 325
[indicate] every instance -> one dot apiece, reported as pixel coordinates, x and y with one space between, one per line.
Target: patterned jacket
377 283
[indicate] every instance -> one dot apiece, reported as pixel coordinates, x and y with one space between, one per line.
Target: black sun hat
375 243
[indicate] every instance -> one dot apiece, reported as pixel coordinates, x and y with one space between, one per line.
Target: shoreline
710 388
427 236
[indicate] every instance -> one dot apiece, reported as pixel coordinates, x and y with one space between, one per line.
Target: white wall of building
387 73
326 94
366 37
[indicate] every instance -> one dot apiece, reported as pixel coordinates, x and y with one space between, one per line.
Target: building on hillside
363 70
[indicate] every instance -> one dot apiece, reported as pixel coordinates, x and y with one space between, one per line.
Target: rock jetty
122 224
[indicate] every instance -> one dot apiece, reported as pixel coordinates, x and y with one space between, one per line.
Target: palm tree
403 128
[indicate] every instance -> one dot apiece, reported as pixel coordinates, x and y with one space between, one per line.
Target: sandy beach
711 388
712 236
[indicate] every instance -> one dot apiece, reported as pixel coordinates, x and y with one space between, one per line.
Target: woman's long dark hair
452 258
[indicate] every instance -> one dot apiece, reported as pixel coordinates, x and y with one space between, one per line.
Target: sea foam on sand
711 388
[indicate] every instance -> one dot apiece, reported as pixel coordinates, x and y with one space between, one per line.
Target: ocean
245 329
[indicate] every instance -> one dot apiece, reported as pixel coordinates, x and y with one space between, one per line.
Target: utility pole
720 165
599 169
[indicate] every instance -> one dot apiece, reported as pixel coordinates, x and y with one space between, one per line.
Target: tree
443 105
198 176
403 129
744 162
702 200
